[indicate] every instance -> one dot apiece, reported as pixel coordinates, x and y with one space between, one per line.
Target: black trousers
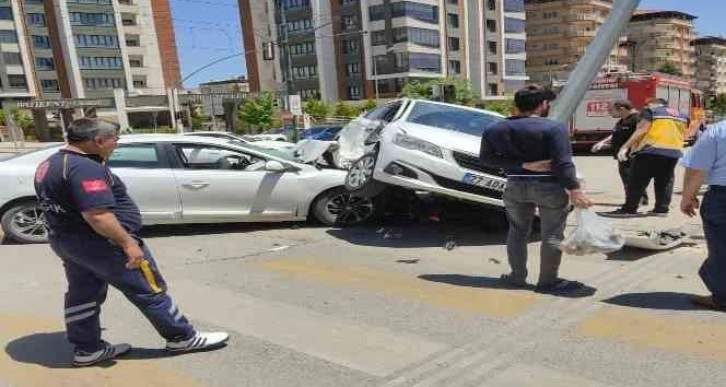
647 167
624 168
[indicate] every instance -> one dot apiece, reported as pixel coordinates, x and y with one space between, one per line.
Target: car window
384 113
134 156
196 156
452 118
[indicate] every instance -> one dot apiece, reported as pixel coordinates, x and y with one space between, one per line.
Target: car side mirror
275 166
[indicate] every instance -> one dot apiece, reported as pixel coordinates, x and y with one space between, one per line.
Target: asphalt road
382 305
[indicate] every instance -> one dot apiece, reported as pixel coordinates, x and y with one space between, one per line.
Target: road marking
373 350
30 359
534 375
673 334
499 303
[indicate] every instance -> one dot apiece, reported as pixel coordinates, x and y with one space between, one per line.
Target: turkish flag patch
42 171
92 186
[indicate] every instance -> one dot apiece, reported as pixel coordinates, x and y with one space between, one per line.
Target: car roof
172 138
416 100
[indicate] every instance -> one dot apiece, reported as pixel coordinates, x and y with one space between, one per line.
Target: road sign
295 104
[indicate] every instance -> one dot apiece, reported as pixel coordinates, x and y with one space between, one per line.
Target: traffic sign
295 103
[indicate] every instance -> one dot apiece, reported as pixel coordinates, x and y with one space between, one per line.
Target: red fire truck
592 122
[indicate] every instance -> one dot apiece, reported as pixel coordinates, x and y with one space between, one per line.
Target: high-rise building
711 65
85 48
558 33
660 38
358 49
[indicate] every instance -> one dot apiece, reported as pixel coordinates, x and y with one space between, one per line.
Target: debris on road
408 261
494 260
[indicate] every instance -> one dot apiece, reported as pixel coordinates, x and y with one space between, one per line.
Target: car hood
445 138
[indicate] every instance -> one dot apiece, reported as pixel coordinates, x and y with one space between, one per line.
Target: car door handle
196 185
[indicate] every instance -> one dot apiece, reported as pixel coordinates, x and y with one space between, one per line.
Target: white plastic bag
593 234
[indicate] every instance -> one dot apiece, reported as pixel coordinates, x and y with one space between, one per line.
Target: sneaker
110 351
200 342
619 213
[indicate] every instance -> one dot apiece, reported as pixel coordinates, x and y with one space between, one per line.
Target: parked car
322 133
186 179
269 144
423 146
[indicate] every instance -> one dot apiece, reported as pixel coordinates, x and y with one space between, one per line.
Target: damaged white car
422 146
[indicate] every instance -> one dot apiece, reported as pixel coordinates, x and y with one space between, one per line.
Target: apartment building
558 33
710 65
359 49
661 37
85 48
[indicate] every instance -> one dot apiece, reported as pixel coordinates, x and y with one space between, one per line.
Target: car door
150 180
220 184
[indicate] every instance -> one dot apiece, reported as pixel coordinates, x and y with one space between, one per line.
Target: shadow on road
212 229
496 283
654 300
630 254
419 235
52 350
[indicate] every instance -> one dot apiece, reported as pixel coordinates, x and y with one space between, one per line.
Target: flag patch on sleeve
91 186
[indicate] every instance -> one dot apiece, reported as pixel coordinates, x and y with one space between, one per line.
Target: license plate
483 181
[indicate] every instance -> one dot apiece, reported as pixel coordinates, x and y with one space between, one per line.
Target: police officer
706 163
92 225
655 148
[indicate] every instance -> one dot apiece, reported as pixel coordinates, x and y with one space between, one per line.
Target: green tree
316 108
424 90
718 105
257 113
343 109
22 119
670 68
370 105
502 107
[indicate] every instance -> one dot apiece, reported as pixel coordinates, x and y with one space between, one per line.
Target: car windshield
280 154
467 121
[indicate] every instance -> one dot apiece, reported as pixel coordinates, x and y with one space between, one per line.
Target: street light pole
375 75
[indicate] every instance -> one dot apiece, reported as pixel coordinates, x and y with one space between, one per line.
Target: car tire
338 207
24 223
359 179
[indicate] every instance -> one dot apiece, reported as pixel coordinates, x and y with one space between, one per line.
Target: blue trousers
92 263
713 270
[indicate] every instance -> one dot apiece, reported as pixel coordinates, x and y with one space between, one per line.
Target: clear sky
210 29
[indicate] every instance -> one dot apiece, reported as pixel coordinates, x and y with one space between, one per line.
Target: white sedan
186 179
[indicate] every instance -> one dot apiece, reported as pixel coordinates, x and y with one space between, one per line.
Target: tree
257 112
718 105
670 68
370 105
343 109
424 90
316 109
502 107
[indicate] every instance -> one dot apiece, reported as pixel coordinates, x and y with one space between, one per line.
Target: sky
210 29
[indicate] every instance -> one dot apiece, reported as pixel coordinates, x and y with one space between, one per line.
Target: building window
6 13
491 25
8 36
492 68
12 58
424 62
91 1
50 85
133 41
351 46
514 46
86 41
17 81
454 44
139 83
514 67
420 36
455 67
513 25
92 19
103 83
453 20
493 89
352 68
35 19
512 86
44 64
40 41
550 15
307 48
297 26
513 5
355 92
492 48
405 62
491 5
136 62
100 62
294 4
305 72
422 12
349 22
454 2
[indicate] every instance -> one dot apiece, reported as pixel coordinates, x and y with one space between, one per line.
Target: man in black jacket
536 155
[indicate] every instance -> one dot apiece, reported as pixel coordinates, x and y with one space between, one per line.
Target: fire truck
592 121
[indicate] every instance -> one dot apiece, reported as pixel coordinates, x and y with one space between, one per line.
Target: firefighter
654 148
93 225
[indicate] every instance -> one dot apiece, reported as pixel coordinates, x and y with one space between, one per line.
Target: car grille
468 188
468 161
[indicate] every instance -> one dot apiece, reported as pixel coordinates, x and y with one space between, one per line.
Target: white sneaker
85 359
201 341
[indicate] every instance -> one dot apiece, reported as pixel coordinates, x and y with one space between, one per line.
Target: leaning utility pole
589 65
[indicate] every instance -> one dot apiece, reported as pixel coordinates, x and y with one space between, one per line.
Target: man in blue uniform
536 155
706 163
93 226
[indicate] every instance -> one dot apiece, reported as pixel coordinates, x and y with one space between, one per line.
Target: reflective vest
667 131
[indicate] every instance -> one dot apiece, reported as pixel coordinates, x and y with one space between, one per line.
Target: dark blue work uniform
68 184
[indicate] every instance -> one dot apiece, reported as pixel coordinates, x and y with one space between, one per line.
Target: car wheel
24 223
359 179
338 207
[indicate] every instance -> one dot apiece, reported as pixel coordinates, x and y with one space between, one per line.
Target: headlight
413 143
